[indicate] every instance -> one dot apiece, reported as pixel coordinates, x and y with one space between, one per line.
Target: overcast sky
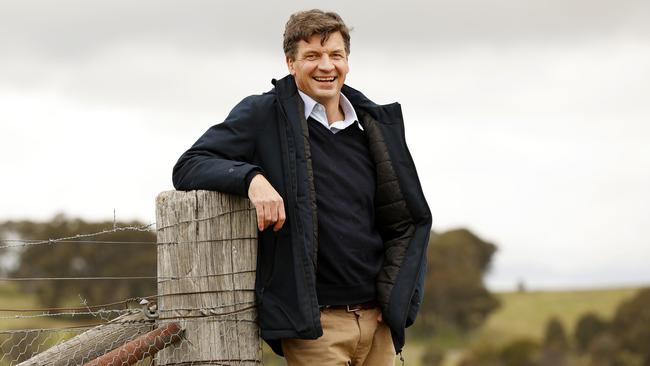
529 121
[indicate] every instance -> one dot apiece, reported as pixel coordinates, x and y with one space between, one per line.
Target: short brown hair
304 24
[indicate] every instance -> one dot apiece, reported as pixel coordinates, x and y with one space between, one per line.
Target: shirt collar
317 111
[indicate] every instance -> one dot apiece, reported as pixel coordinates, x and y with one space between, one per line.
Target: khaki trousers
349 338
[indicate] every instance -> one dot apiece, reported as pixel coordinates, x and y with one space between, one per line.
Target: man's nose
325 63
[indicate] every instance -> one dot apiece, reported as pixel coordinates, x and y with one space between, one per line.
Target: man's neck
334 111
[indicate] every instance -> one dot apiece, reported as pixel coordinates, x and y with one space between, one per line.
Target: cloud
76 28
149 51
527 120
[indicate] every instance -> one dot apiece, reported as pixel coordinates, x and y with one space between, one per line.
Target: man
343 221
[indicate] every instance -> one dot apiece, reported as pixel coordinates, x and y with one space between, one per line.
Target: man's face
320 69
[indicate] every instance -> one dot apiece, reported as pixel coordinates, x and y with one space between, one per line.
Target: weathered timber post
207 252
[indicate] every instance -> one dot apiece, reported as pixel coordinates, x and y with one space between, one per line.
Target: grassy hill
525 314
12 298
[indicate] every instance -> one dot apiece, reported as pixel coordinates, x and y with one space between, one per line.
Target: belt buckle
352 308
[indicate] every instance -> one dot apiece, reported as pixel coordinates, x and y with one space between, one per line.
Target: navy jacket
269 133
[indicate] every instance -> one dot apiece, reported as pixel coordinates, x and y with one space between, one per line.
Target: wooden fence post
207 252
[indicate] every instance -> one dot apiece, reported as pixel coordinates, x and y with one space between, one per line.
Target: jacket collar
291 105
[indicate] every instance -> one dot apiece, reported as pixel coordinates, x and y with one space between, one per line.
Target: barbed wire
27 242
75 328
71 313
182 312
212 217
55 347
77 311
159 278
36 241
206 241
115 229
99 306
122 302
110 278
131 326
19 346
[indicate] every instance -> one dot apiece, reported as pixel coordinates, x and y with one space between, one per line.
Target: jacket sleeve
221 159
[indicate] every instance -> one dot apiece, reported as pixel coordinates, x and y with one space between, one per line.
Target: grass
526 314
12 298
522 314
15 344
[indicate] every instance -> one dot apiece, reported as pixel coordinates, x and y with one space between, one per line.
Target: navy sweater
350 249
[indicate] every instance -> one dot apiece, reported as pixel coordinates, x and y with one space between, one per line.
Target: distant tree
556 344
520 352
481 354
521 286
517 352
589 326
83 260
631 325
603 350
433 356
454 289
555 336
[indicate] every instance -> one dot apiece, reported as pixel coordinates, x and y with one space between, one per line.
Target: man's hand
268 203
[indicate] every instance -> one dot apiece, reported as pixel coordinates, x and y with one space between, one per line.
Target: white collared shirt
316 111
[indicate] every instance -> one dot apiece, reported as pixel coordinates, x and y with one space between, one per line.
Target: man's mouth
328 79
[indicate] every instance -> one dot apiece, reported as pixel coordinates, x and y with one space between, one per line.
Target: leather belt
352 307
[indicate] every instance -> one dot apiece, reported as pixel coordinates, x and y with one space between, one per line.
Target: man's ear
289 60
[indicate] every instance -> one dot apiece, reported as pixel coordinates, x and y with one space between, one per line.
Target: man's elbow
179 177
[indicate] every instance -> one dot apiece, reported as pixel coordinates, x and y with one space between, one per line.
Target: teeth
324 79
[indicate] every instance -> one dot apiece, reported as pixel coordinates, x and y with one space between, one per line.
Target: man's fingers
267 215
281 218
269 205
259 210
274 207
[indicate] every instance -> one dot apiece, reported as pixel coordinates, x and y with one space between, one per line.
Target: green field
522 314
526 314
12 298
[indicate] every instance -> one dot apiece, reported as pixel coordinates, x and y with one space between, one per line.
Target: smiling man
342 218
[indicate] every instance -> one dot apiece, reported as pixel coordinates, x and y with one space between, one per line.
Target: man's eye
310 57
337 56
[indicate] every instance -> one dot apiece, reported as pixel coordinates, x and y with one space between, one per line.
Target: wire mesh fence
203 309
135 337
77 335
72 335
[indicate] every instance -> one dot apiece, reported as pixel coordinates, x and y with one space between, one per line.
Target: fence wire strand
69 239
132 331
127 342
